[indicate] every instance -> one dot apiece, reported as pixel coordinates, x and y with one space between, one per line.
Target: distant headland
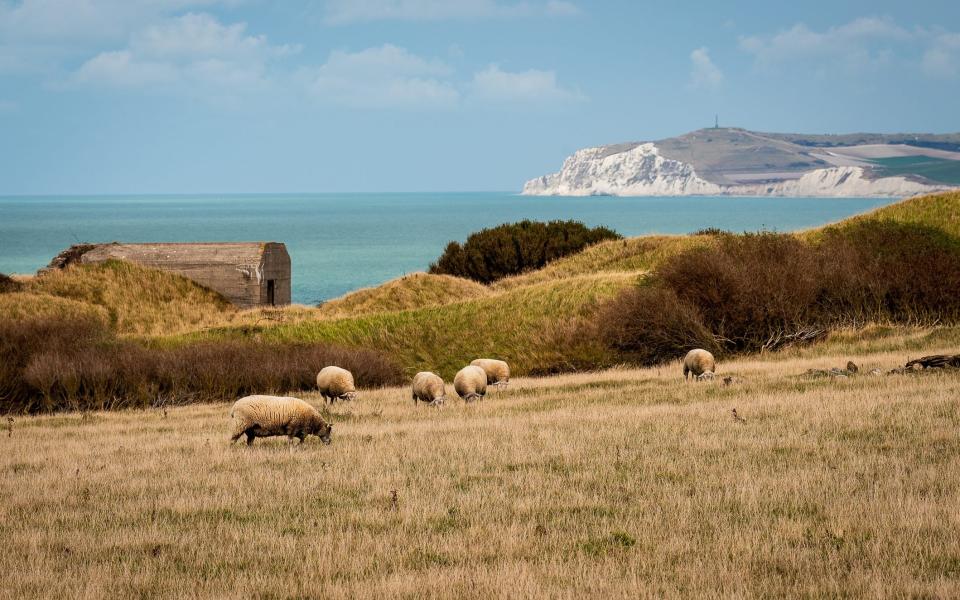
738 162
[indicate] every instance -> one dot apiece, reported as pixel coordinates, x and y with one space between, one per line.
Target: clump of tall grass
55 364
416 290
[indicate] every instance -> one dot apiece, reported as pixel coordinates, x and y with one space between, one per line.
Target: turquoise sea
341 242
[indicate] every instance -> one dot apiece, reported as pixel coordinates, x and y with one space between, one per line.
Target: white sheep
697 362
498 371
265 416
336 384
470 383
429 387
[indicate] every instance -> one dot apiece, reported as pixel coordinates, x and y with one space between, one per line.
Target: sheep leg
250 436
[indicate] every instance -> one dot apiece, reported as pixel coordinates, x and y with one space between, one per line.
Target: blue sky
191 96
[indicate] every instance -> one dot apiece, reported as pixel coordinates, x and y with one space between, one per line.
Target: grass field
619 483
624 483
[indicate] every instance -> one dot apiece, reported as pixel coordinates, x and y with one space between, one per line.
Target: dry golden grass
138 300
615 484
416 290
16 306
631 255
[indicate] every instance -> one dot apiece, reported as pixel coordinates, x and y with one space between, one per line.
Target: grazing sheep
470 383
265 416
336 384
697 362
429 387
498 372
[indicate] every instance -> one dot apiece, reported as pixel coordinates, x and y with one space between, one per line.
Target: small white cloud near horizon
704 74
382 77
524 87
344 12
193 49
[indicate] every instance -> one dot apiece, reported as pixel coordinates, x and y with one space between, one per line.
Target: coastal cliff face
730 167
640 171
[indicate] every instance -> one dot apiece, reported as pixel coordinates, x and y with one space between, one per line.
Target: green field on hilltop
938 170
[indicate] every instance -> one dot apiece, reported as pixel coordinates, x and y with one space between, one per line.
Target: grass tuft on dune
138 300
416 290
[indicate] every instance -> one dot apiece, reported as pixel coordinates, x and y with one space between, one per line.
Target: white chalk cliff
643 171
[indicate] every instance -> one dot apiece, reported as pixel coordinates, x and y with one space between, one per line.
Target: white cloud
495 85
40 33
942 59
801 42
704 74
864 43
392 77
194 35
860 46
193 49
561 8
382 77
340 12
121 68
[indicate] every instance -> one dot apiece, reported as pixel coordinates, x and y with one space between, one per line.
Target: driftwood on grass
936 361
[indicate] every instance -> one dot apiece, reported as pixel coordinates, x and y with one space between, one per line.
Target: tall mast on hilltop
716 121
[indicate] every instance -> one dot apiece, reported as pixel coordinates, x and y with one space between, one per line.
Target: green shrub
510 249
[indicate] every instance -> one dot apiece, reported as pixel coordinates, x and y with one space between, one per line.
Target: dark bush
80 365
8 284
747 288
763 291
505 250
899 271
716 231
645 324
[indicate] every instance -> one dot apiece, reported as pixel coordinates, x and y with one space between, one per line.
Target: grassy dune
632 255
516 324
138 300
417 290
938 210
15 306
625 483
